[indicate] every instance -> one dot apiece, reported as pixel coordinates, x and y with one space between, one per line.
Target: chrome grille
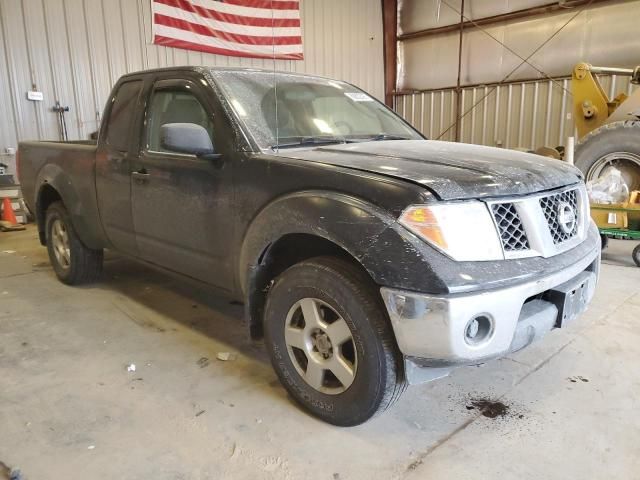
551 207
512 234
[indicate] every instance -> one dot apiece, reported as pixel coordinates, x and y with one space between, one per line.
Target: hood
453 171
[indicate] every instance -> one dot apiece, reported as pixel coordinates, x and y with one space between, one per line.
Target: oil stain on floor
490 408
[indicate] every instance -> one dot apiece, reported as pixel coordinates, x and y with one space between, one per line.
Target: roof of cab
203 69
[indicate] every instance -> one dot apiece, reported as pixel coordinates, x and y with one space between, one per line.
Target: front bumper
432 331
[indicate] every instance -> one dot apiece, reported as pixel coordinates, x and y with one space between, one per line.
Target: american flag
240 28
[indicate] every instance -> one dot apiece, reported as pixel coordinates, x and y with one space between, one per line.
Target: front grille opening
551 207
512 234
539 296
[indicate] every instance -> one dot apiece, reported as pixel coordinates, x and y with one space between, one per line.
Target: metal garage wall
603 34
74 50
516 115
416 15
525 113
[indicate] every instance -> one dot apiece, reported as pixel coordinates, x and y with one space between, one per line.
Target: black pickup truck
367 257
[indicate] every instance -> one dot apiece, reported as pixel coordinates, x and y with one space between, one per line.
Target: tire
599 148
77 264
338 289
604 242
636 255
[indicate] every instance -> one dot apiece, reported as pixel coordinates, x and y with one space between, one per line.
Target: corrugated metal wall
529 111
602 34
416 15
516 115
74 50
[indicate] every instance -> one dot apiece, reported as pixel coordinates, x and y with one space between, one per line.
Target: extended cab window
121 115
174 106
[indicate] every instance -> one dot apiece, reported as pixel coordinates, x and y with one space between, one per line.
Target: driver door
181 202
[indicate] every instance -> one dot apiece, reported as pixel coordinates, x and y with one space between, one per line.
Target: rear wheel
73 262
331 343
616 145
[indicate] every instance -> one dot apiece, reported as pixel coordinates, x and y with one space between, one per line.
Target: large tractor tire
615 145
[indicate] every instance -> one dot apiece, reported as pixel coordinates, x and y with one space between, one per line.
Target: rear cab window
122 114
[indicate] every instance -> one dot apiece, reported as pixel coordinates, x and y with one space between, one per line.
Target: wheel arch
302 226
77 194
47 194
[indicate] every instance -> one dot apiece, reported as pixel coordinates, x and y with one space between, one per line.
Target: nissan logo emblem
566 217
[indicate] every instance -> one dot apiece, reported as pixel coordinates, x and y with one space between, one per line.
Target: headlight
463 231
586 206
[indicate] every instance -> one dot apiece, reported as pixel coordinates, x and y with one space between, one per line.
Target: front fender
348 222
368 233
79 199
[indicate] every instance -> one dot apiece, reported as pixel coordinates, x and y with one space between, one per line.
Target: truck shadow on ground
168 300
161 302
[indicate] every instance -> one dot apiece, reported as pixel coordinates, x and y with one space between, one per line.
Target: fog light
478 329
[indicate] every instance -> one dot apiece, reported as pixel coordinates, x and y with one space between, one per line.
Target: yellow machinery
592 107
608 129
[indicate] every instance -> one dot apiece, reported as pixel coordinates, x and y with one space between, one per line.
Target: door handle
140 176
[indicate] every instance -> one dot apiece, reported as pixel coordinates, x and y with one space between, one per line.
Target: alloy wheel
321 346
60 243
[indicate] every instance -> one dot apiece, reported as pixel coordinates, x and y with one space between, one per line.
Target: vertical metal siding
524 115
602 34
8 123
416 15
74 50
16 51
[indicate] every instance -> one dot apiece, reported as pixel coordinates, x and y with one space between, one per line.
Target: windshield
308 111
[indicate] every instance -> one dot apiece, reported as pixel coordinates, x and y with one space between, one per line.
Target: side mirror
186 138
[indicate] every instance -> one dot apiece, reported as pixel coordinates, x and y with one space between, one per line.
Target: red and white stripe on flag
240 28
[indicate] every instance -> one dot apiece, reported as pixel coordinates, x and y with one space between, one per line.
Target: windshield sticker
359 97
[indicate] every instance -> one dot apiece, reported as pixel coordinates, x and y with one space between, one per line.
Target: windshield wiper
326 140
316 140
388 136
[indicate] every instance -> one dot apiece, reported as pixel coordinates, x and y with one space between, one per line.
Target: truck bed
68 166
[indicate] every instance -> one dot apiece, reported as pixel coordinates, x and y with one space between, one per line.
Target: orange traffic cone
9 220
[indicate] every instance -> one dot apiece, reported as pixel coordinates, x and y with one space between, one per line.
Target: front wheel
604 241
636 255
73 262
331 343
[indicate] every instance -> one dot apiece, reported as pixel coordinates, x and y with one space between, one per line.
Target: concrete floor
69 408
